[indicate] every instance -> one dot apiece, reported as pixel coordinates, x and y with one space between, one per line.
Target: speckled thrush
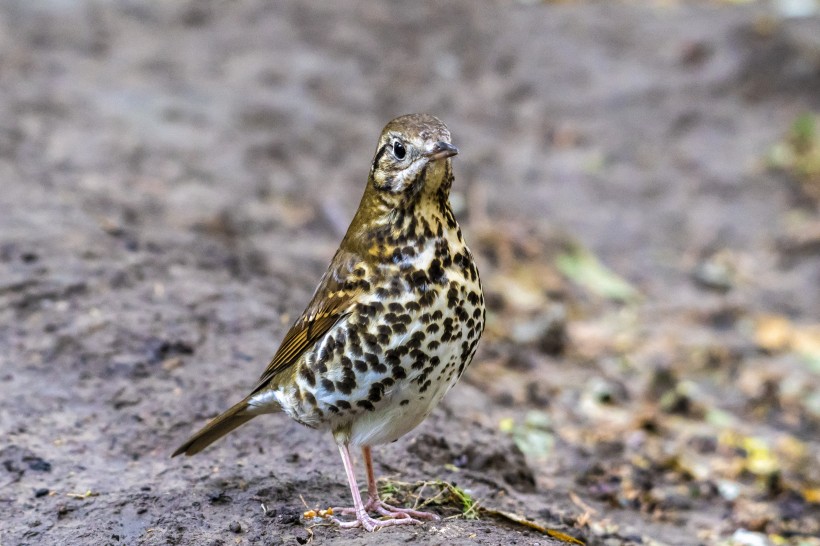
391 327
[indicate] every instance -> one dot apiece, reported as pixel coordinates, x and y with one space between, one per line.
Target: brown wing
333 299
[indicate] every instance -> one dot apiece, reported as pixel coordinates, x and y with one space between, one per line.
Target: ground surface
176 175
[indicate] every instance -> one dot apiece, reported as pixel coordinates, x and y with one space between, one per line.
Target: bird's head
412 159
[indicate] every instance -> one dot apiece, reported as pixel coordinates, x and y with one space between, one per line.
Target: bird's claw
391 515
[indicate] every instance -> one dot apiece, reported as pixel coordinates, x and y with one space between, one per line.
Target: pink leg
374 504
363 519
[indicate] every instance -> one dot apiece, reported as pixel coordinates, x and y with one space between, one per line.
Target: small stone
42 492
235 527
37 464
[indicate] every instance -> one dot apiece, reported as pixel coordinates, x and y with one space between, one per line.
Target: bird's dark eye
398 150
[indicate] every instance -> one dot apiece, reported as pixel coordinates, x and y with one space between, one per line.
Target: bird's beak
440 150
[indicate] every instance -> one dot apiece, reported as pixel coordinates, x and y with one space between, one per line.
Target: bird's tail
235 417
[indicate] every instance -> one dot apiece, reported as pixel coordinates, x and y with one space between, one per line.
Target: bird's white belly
393 420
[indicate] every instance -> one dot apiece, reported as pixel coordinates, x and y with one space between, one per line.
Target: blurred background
640 182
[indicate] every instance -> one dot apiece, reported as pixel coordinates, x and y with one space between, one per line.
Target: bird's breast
381 369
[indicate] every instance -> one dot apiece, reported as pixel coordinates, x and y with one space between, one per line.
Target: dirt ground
635 178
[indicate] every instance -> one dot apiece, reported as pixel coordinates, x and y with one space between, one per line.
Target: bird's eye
398 150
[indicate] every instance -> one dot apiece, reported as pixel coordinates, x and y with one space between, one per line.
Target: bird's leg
375 504
363 519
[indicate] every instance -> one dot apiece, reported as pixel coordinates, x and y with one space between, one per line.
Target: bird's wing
333 299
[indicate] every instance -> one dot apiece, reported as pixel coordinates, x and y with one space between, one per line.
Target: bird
391 327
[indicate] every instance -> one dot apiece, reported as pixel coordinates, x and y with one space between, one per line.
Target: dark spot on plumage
432 328
344 404
399 329
404 402
477 313
433 345
396 287
399 373
390 318
452 298
412 307
376 392
328 385
425 318
425 386
384 339
379 367
405 319
366 405
355 349
307 374
321 368
346 385
437 315
370 339
427 372
311 399
332 409
436 272
359 272
360 365
391 358
397 256
395 307
427 299
425 227
382 292
435 361
417 364
446 337
388 382
346 362
324 353
470 324
472 297
418 279
363 285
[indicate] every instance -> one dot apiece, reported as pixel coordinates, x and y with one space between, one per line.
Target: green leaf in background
584 269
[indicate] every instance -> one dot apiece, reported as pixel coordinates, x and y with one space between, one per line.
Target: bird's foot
363 519
384 509
391 515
